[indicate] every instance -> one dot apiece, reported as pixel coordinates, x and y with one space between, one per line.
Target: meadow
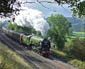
78 34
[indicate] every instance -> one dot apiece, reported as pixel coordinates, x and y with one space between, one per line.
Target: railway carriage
17 37
31 41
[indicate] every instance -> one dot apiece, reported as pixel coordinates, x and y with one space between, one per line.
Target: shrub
34 40
59 54
17 28
68 45
77 63
78 49
25 40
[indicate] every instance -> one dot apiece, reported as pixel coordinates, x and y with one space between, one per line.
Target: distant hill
77 24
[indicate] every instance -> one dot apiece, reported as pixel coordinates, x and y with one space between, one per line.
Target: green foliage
5 6
59 29
78 49
77 63
58 53
34 40
9 26
61 55
68 58
73 53
78 7
81 8
16 28
68 45
25 30
25 40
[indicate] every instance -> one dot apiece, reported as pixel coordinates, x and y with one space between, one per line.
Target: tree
6 6
17 28
78 6
59 29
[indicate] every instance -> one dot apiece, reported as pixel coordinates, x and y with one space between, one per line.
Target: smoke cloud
32 18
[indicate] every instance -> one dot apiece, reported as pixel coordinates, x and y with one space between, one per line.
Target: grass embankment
10 60
68 58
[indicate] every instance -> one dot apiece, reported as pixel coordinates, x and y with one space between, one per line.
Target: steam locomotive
31 42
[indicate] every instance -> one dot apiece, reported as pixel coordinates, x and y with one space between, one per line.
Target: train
31 42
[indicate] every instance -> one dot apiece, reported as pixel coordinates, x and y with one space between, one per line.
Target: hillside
77 24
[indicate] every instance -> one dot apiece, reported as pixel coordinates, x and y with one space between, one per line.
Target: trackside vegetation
20 29
10 60
73 53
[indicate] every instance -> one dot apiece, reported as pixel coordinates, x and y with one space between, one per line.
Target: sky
50 8
53 8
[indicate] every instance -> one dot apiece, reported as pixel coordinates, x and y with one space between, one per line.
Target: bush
34 40
59 54
78 49
25 40
68 45
77 63
68 58
17 28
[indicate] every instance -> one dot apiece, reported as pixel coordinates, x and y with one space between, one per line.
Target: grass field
10 60
78 34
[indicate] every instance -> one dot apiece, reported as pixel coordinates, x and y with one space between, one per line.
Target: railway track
15 48
35 60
